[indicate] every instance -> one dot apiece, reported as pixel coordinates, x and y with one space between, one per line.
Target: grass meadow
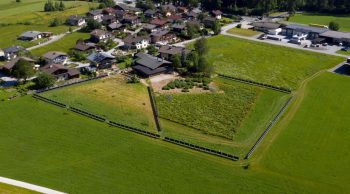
271 64
243 32
229 120
64 45
314 18
49 146
9 189
112 98
16 18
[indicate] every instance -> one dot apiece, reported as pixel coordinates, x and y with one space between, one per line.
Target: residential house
96 14
55 57
148 65
136 42
108 11
114 26
60 72
99 35
299 30
76 20
167 52
267 27
168 9
179 27
190 15
12 52
131 19
101 60
217 14
8 67
160 23
158 36
175 18
182 9
127 8
119 14
108 19
150 13
83 46
209 22
30 35
149 28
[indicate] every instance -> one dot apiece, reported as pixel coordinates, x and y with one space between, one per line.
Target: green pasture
9 189
243 32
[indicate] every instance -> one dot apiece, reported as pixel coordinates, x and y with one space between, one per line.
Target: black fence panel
133 129
87 114
154 108
277 88
202 149
49 101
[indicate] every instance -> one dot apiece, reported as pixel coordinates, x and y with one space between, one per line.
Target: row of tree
54 6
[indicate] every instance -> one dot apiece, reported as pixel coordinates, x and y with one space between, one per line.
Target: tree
176 61
152 50
216 28
55 22
333 26
44 80
204 66
23 70
91 25
201 46
61 7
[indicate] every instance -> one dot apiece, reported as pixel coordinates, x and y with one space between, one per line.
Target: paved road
29 186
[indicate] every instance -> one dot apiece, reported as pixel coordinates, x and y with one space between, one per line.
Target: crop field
314 18
243 32
229 120
266 63
16 18
63 45
112 98
9 189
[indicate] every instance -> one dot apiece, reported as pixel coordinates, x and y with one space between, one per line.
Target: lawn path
29 186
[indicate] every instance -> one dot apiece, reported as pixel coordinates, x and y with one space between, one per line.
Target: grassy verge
9 189
243 32
112 98
276 65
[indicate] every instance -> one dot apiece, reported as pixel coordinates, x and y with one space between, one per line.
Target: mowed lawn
243 32
314 18
49 146
314 141
229 120
64 44
271 64
17 18
112 98
9 189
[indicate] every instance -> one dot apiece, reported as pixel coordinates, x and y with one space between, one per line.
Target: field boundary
70 84
268 86
96 117
271 124
201 149
28 186
154 108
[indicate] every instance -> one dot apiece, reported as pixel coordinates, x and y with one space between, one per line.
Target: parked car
345 48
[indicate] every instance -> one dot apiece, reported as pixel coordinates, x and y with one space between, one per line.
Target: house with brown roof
55 57
7 68
83 46
99 35
167 52
217 14
159 22
131 19
108 19
136 42
60 72
108 11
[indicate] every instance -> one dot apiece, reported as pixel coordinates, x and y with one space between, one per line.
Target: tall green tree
334 26
201 46
23 70
44 80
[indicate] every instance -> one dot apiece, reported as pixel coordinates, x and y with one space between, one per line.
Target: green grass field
243 32
112 98
314 18
279 66
14 15
9 189
74 154
64 45
230 120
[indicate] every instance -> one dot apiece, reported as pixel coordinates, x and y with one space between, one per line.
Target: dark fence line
70 84
88 114
271 124
154 108
49 101
280 89
202 149
133 129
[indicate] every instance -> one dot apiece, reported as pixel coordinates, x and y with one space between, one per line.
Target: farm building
148 65
336 37
309 31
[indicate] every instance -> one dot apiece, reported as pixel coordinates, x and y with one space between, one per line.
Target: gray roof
13 49
134 39
30 34
160 32
336 34
174 50
307 29
150 11
126 7
115 25
98 57
268 25
53 54
95 12
75 18
149 26
150 61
